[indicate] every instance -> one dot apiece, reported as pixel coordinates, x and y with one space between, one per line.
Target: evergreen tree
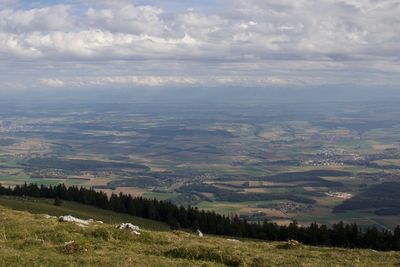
396 239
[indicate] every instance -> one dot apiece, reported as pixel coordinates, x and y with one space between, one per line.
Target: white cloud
127 18
160 81
52 82
36 19
248 42
143 80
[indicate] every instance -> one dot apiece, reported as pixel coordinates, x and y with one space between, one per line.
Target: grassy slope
33 240
45 206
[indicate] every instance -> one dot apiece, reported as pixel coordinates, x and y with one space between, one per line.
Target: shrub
72 247
101 233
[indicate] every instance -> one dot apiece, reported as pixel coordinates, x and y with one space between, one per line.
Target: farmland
261 160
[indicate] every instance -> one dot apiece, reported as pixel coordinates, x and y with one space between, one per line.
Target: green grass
33 240
17 178
360 218
45 206
229 208
46 182
10 164
226 208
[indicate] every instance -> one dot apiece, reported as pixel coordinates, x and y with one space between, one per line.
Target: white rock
128 226
233 240
135 232
199 233
69 218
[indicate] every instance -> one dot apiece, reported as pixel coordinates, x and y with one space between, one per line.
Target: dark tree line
339 235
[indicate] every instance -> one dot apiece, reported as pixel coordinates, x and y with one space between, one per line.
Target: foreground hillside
46 206
35 240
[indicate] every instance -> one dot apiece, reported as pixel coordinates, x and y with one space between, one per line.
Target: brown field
384 162
99 181
133 191
254 190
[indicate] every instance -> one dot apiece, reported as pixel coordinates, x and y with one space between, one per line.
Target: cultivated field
263 161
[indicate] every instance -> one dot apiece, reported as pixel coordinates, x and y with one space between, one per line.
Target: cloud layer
259 43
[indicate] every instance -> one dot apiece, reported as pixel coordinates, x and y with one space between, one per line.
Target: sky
105 44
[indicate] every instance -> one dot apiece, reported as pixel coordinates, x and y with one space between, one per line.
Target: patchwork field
262 161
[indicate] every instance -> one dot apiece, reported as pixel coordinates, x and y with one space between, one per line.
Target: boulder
69 218
134 229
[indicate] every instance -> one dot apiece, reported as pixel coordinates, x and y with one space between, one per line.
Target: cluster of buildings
331 156
292 207
343 195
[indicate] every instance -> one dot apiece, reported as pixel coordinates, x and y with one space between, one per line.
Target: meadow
33 240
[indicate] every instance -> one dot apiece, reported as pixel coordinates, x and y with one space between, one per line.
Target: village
331 156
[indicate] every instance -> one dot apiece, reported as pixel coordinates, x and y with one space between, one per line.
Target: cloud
37 19
161 81
52 82
243 43
128 19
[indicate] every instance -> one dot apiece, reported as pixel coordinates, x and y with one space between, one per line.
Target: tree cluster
339 235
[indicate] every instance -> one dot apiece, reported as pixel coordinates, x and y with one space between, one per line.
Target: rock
69 218
199 233
128 226
47 216
293 243
233 240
